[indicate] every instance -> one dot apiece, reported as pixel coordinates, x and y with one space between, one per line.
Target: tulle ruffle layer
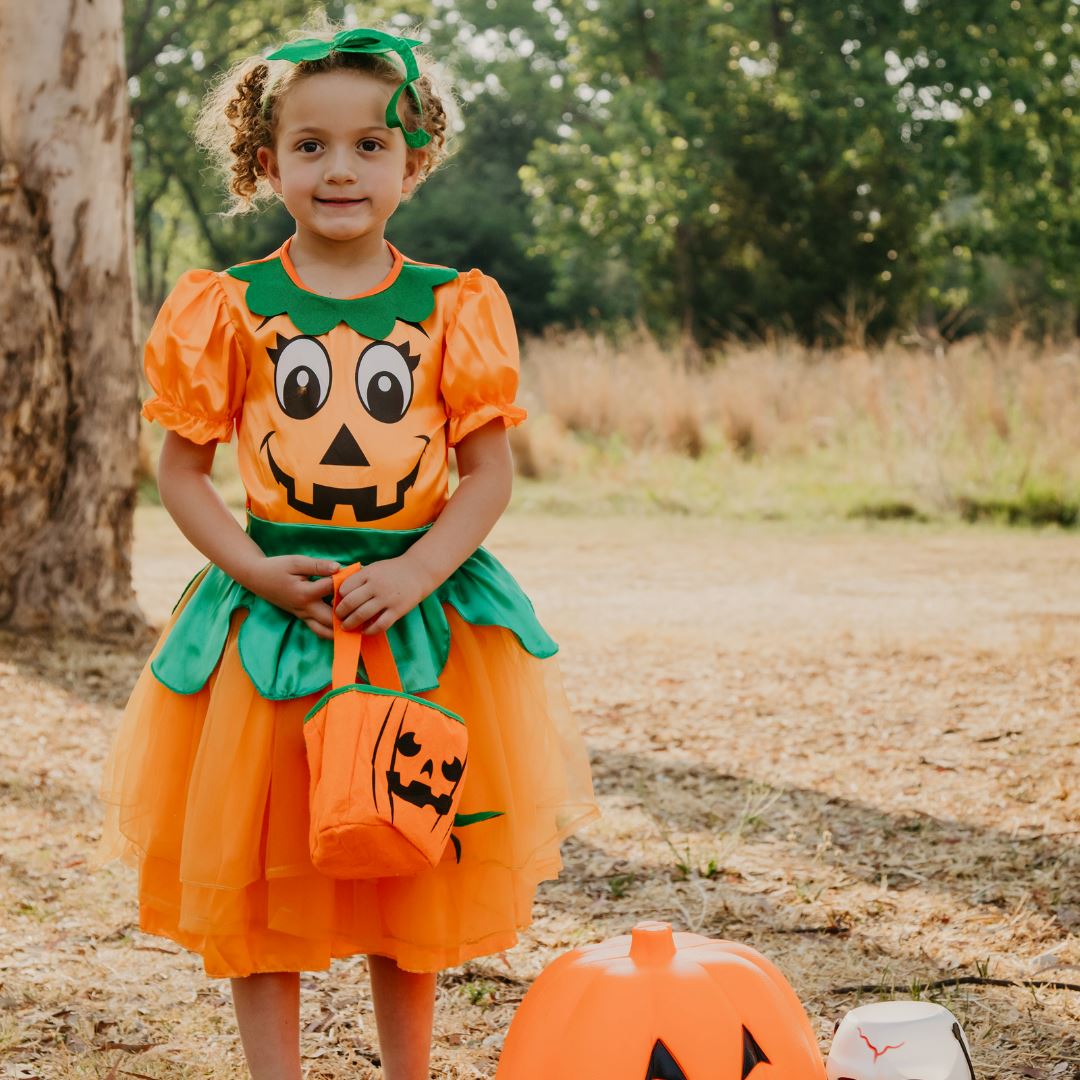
207 795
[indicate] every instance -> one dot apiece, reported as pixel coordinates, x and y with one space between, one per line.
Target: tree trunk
69 423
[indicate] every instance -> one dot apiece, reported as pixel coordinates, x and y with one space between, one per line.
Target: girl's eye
384 382
302 377
306 143
370 145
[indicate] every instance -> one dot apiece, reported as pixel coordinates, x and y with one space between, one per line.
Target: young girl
347 371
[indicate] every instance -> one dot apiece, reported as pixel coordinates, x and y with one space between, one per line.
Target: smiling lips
339 202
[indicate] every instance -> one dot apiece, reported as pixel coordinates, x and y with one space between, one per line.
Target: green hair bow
364 40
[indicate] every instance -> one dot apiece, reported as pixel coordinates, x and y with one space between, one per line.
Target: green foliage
744 166
734 161
705 166
1008 228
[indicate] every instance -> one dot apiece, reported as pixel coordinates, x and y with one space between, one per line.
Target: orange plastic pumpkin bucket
387 767
654 1005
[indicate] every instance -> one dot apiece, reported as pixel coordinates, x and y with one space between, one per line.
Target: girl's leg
404 1009
268 1014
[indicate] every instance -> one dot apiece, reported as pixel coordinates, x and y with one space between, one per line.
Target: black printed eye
407 745
384 382
452 770
301 377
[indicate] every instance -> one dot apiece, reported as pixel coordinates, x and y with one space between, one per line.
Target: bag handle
350 645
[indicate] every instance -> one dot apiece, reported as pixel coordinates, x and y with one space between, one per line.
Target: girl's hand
377 595
284 580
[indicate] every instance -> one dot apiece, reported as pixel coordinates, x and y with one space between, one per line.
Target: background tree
711 167
1004 246
744 166
68 426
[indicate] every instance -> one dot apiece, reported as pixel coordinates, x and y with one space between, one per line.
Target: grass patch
887 510
1031 508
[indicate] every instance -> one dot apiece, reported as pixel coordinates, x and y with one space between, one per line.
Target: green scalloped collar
409 298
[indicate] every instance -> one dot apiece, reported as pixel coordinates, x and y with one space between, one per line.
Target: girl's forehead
335 100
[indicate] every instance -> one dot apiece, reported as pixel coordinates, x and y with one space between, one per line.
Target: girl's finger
320 612
349 602
363 614
321 567
321 587
382 623
353 582
319 630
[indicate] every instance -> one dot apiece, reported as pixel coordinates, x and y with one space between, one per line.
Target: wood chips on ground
855 748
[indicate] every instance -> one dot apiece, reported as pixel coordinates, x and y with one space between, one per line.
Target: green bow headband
375 42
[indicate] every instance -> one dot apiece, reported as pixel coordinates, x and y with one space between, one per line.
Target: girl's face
340 171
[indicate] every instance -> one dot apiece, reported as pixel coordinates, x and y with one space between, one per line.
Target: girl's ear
415 161
267 160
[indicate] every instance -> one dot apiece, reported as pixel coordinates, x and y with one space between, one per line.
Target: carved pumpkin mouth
325 499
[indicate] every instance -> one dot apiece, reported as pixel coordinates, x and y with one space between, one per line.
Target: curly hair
240 111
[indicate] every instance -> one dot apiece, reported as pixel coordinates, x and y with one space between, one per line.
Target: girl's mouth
339 202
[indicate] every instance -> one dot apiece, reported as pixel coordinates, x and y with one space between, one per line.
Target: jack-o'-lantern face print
424 776
342 436
418 766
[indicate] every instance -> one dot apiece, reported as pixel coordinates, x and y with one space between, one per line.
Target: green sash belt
284 659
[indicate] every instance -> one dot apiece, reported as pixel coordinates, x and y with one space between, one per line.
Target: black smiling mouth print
417 793
325 499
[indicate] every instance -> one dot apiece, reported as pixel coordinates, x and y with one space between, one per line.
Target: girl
347 371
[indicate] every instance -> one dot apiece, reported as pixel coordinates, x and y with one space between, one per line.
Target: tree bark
69 427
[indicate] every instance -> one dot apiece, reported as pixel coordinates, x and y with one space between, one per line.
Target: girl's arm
378 595
195 505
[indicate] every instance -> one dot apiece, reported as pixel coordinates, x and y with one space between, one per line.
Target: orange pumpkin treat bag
346 382
386 767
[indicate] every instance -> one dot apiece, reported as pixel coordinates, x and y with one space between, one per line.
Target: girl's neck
340 268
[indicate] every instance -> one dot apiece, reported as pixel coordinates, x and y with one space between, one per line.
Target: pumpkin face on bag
342 437
382 801
658 1006
424 768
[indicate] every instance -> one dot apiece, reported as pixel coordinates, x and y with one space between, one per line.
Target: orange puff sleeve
480 359
194 363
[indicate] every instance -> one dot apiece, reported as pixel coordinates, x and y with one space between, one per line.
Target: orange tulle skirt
207 795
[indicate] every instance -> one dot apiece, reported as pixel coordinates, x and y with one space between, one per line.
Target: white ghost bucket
899 1040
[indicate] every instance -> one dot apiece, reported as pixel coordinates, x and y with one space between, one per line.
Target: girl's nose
339 168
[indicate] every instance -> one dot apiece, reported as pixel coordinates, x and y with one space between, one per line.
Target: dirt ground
854 747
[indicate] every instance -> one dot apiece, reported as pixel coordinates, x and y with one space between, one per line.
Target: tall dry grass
985 427
982 425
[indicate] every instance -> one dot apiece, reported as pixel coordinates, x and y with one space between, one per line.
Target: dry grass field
852 745
915 429
984 428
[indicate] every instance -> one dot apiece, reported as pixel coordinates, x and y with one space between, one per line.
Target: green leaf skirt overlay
284 659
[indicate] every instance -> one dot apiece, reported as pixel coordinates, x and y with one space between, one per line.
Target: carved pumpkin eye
407 745
662 1066
301 377
752 1054
384 381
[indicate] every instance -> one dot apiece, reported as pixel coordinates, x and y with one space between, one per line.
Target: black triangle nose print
344 450
662 1066
752 1054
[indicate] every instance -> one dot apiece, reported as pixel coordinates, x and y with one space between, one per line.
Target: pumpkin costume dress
344 412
